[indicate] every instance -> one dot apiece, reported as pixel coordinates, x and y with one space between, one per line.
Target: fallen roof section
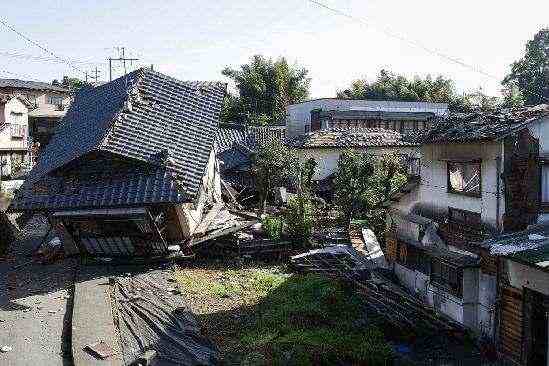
350 138
483 126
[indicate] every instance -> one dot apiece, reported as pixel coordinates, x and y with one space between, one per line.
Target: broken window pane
464 178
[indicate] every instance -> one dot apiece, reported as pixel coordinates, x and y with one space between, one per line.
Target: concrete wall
434 185
299 115
328 158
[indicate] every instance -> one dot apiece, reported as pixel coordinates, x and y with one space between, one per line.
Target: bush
299 218
273 227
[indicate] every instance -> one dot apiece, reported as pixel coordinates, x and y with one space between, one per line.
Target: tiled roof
4 98
228 135
145 117
32 85
364 137
483 126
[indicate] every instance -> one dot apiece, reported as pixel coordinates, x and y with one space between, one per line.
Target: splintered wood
381 294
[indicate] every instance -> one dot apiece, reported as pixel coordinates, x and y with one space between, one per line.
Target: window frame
51 97
462 193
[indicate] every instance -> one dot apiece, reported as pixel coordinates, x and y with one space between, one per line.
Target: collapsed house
482 174
131 169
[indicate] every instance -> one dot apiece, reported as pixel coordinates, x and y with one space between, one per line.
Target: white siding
14 113
327 158
299 115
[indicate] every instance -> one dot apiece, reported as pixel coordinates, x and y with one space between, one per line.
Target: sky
195 40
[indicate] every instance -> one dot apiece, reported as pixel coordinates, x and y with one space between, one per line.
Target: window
447 275
17 131
464 178
55 99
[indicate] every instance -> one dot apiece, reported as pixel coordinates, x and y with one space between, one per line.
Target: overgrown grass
287 319
310 319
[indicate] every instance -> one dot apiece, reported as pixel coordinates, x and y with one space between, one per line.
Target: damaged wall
190 214
434 184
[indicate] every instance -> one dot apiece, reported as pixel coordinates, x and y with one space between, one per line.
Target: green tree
273 164
389 86
265 88
73 84
363 183
530 74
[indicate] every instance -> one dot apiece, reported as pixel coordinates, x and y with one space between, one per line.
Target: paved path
34 306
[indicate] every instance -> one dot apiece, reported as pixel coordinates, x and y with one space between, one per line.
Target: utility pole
121 57
95 73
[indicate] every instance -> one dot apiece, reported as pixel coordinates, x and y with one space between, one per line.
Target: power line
404 39
29 57
11 28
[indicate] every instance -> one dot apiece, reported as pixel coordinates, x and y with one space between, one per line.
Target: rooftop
346 138
530 246
483 126
30 85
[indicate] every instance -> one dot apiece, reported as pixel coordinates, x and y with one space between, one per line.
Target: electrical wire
412 42
43 48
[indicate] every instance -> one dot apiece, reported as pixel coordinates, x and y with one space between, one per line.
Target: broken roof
530 246
163 125
483 126
350 138
31 85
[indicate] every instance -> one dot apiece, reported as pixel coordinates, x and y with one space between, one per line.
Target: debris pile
380 293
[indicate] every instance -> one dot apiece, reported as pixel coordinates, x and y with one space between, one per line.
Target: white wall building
298 116
480 175
14 141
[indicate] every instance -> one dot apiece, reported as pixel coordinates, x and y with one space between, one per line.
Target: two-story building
14 141
330 113
482 174
48 104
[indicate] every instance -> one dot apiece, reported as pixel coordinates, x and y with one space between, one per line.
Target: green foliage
389 86
363 182
530 74
273 227
265 87
299 218
310 320
273 164
73 84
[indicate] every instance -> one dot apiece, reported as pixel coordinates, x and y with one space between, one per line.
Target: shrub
273 227
299 218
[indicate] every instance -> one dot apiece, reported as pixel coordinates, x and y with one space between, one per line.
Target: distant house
328 113
131 168
48 103
326 146
14 140
482 174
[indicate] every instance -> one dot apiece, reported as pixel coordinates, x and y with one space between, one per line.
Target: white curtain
545 183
